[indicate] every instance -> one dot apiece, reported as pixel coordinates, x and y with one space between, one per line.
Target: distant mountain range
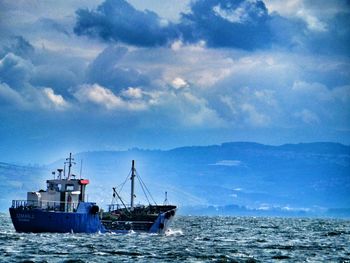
231 178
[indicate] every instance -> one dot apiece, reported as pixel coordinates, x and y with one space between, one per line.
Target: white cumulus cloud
179 83
57 100
105 98
98 95
135 93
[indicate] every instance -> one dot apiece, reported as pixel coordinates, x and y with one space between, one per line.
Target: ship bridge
63 193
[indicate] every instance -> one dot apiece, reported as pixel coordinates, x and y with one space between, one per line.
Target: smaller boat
123 218
61 208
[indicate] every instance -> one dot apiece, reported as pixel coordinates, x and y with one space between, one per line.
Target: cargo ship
62 208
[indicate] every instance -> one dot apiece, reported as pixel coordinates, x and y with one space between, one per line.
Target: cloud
243 24
255 89
223 70
317 15
31 99
228 163
21 88
105 98
134 93
224 92
17 45
218 23
321 93
315 103
179 83
182 110
307 116
313 23
21 64
254 117
117 20
238 24
298 9
51 24
98 95
59 77
10 97
197 112
109 71
15 70
57 100
311 26
250 107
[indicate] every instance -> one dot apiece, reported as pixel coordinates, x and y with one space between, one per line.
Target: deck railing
45 204
113 207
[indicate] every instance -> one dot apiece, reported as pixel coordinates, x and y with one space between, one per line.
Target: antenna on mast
70 159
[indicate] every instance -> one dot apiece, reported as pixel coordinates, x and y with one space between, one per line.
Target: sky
112 75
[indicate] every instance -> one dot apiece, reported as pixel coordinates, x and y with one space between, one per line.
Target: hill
231 178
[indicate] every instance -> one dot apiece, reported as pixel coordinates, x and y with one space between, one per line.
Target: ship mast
70 159
132 184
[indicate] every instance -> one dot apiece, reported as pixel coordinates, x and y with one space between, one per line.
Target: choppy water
192 239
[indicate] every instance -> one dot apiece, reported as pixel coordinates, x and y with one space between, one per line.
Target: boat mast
70 159
132 184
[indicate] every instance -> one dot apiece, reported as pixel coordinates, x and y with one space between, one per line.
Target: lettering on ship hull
24 217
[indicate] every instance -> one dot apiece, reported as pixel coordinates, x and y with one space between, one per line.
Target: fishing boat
60 208
151 218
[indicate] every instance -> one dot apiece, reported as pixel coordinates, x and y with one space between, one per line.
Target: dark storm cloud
117 20
107 71
227 23
239 24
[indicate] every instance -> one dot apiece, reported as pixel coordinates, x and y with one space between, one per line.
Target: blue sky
111 75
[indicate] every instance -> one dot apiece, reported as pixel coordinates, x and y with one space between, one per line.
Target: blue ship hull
39 220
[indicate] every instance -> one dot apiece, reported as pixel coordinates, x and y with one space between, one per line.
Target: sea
190 239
